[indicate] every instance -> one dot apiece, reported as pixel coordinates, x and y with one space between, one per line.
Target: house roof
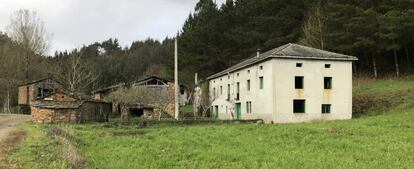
146 79
290 50
37 81
50 104
57 104
135 83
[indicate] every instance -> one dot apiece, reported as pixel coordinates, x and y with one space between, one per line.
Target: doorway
238 111
135 112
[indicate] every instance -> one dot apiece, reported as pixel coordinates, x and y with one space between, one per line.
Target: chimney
258 53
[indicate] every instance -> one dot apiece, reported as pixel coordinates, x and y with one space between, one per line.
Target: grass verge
381 141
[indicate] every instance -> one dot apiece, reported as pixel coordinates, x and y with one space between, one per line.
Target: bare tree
74 73
207 98
79 76
314 28
28 32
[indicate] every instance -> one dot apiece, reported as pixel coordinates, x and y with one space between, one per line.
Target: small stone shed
63 108
138 110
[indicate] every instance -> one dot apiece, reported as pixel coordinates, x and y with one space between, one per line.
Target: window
298 82
39 92
261 82
238 91
214 92
327 65
248 107
216 112
248 85
327 82
298 106
221 90
298 64
248 71
221 79
237 74
326 108
228 92
261 67
228 77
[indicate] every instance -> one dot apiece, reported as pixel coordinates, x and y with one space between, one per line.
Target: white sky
73 23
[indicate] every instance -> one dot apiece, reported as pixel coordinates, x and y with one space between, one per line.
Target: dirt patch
7 144
128 133
9 134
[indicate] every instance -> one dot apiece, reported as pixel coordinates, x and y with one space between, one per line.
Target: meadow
381 137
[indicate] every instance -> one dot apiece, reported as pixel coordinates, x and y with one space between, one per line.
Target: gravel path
9 135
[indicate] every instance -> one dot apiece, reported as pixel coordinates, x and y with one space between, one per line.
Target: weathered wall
88 111
94 111
40 115
33 90
261 99
170 106
61 97
313 71
274 103
23 94
64 116
45 115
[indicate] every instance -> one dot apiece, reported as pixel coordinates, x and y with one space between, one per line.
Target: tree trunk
408 59
27 67
397 67
8 101
374 65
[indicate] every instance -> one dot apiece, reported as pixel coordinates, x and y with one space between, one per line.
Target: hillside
382 137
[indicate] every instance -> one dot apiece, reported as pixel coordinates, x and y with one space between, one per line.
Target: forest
379 32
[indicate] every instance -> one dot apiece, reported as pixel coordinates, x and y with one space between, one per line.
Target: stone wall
40 115
44 115
149 111
61 97
88 111
170 106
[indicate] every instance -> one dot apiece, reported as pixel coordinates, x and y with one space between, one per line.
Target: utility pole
195 96
176 85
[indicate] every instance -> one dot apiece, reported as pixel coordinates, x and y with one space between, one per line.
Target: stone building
38 89
291 83
152 83
60 107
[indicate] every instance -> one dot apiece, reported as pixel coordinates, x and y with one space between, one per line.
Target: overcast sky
73 23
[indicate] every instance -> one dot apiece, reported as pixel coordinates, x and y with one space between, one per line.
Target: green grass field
383 137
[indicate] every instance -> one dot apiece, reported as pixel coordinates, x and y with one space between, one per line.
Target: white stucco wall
274 103
313 71
260 109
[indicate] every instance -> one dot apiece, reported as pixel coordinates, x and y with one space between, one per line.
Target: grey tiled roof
290 50
57 104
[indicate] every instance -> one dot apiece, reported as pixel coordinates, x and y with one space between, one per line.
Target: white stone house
291 83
